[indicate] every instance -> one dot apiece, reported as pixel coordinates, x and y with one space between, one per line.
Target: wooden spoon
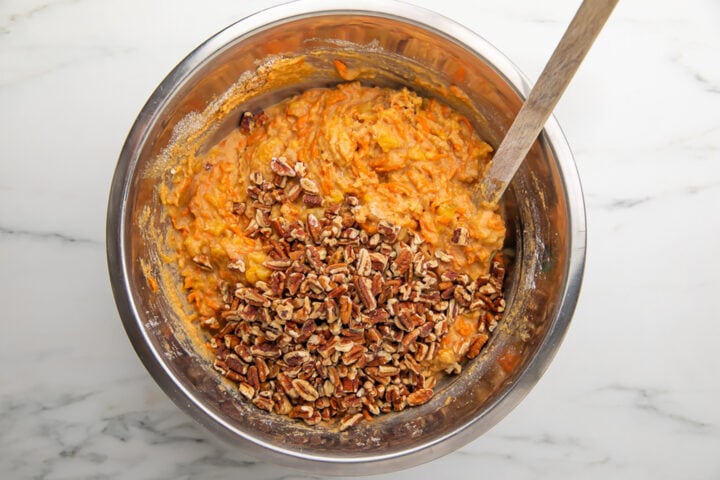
551 84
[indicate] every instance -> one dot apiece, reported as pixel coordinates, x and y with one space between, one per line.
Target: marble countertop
634 391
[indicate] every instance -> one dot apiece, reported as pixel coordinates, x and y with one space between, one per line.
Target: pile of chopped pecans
348 323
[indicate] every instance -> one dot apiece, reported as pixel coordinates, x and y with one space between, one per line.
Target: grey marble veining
634 390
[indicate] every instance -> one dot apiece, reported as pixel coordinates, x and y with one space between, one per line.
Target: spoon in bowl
554 79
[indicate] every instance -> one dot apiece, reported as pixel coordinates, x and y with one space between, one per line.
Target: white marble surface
634 392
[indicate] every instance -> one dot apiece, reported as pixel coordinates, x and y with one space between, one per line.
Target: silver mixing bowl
401 45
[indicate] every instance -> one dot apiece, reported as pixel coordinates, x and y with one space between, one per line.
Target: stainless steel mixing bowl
389 44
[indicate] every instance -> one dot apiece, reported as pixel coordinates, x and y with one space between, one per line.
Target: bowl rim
157 365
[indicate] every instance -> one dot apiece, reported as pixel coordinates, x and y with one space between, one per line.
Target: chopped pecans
347 322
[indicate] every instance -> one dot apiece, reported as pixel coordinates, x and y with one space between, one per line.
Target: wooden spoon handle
551 84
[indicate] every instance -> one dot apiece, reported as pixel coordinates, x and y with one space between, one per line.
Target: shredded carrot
464 327
152 283
509 360
459 75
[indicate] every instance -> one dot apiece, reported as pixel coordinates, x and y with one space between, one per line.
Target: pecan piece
421 351
353 355
263 403
309 186
379 261
349 385
313 227
293 192
238 208
350 421
460 236
339 268
363 265
344 344
331 309
282 404
477 345
401 264
305 390
265 350
247 122
302 411
253 378
262 217
238 265
346 308
211 323
263 370
257 178
462 296
243 351
388 231
378 282
296 357
312 255
337 291
246 390
280 166
293 282
306 330
277 284
312 200
379 315
410 337
404 322
387 370
314 419
419 397
286 384
280 264
279 226
203 261
363 286
300 169
328 388
373 336
497 269
234 364
449 275
252 296
443 257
